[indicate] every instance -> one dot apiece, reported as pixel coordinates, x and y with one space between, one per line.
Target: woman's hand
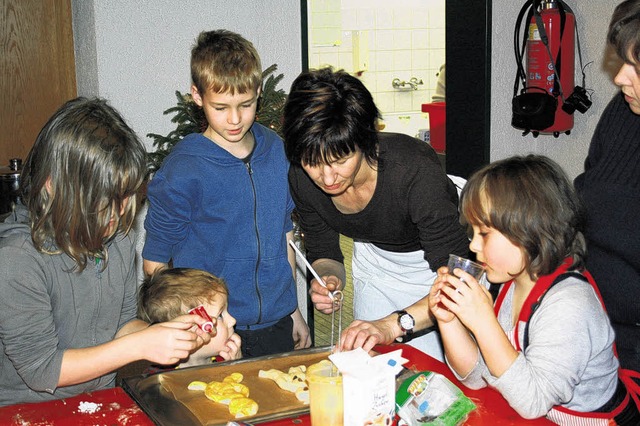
367 334
320 295
436 307
231 349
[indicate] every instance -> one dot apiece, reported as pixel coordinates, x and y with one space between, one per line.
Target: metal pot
9 185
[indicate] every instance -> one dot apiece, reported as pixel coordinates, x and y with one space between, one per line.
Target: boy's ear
196 96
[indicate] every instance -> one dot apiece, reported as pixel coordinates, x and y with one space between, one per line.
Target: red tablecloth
112 407
493 409
115 407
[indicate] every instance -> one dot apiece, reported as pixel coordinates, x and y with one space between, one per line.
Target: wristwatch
406 323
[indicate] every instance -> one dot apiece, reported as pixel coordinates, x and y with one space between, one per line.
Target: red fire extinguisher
545 64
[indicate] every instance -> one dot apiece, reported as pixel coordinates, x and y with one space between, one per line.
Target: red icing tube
201 312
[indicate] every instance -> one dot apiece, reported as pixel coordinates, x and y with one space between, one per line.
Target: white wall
568 150
136 53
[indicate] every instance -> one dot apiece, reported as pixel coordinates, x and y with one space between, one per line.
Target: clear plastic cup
325 394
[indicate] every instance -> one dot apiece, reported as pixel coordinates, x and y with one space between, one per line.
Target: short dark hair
624 31
328 115
531 201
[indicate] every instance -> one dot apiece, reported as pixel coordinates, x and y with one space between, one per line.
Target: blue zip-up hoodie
212 211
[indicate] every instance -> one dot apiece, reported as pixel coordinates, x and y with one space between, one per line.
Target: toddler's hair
171 292
531 201
86 166
223 61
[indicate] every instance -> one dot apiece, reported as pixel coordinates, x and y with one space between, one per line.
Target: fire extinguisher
549 96
547 63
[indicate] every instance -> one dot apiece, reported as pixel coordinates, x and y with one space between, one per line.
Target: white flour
88 407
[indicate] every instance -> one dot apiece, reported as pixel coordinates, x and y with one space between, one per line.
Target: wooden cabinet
37 69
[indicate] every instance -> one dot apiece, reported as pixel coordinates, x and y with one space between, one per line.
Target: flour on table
88 407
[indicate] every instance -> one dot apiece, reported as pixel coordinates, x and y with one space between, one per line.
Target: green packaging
429 398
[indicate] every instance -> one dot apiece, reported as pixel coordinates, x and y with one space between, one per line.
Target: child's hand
231 349
436 306
465 297
169 342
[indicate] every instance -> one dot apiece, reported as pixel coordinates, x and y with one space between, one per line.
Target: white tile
402 39
348 18
383 40
419 39
420 18
366 19
436 58
403 101
420 59
384 101
437 38
402 60
437 14
384 79
384 61
384 18
402 18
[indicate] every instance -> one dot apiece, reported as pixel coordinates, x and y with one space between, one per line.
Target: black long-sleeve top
414 206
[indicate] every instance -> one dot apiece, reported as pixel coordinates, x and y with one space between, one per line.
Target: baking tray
163 396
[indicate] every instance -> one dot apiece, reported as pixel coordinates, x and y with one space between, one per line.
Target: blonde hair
171 292
223 61
86 166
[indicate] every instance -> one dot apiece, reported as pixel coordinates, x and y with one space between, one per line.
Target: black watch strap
406 322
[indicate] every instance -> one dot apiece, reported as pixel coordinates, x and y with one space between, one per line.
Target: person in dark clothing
387 191
610 190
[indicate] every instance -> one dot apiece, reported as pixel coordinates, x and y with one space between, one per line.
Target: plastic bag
429 398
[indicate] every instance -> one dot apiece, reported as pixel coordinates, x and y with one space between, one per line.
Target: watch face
407 322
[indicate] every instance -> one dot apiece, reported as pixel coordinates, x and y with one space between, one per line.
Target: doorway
395 48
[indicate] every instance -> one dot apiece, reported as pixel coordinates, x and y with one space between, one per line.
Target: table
493 409
112 407
115 407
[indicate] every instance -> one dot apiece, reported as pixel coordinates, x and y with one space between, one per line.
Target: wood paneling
37 69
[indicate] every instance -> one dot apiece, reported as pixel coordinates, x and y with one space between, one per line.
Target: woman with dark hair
387 191
610 190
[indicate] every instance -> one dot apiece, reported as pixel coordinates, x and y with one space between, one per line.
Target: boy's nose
234 116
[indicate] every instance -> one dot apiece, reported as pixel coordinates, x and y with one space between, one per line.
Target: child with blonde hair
169 293
221 202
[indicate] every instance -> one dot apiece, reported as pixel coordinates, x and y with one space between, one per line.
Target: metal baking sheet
168 408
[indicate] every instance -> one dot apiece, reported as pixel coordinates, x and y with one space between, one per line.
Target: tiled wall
381 40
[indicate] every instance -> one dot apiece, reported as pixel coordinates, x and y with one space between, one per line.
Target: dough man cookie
294 381
229 392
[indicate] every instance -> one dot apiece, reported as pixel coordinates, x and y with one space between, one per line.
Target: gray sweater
569 360
45 309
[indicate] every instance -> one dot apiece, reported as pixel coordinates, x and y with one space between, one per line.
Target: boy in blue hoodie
221 202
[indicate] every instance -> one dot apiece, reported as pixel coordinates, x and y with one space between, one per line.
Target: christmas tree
190 118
